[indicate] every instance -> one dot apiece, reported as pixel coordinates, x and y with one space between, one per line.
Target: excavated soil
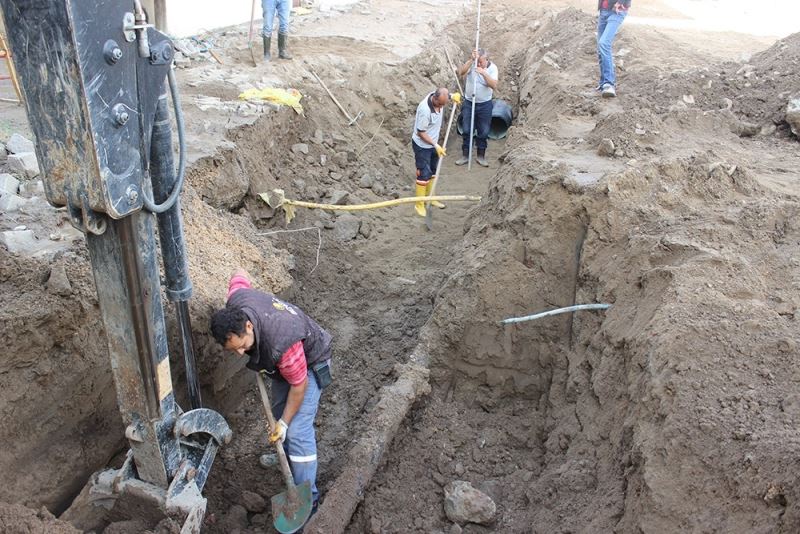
674 410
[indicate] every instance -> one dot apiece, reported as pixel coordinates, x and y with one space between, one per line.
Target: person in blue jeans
612 14
283 7
479 86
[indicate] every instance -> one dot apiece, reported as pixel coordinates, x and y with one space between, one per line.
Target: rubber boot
267 46
481 159
428 189
421 192
283 52
464 159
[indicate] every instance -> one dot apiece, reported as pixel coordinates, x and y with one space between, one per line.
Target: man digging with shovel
283 342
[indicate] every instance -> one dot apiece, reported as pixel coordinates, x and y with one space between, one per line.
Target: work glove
440 151
278 434
456 97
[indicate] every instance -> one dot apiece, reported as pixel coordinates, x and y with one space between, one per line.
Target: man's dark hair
228 321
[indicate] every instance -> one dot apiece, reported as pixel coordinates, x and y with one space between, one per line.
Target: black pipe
502 117
173 246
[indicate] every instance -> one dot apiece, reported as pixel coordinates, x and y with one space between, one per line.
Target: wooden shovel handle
287 473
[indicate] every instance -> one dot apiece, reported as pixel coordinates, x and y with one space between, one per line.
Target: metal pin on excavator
94 74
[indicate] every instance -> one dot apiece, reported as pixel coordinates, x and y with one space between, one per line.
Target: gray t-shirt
427 120
484 92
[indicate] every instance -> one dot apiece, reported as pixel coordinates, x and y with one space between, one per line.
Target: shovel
250 34
428 206
291 508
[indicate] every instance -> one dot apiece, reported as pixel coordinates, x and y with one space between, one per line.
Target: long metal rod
185 327
474 87
557 311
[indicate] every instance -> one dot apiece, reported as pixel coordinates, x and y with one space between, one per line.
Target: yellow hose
276 199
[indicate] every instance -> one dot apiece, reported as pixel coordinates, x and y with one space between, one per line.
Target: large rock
465 504
346 227
58 282
10 202
339 197
23 164
8 184
18 241
253 502
366 181
17 144
606 148
793 114
300 148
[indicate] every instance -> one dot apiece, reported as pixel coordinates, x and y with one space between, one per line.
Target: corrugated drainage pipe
502 116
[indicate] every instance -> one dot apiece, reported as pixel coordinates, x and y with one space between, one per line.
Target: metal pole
474 87
173 246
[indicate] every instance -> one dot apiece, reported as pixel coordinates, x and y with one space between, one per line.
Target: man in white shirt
487 76
425 142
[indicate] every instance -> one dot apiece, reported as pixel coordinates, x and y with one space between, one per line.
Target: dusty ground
672 411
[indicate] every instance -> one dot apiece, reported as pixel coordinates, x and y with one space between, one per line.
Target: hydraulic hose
176 191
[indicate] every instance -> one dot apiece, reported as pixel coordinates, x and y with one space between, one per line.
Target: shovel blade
429 216
292 508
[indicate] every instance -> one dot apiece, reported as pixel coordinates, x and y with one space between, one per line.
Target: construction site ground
675 410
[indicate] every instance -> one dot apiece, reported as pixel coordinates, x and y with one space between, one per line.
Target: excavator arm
95 78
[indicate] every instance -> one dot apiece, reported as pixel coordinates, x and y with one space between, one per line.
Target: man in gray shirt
487 75
425 142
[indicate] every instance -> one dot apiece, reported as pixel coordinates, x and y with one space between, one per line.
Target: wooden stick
371 138
287 472
250 34
341 108
428 206
453 68
11 70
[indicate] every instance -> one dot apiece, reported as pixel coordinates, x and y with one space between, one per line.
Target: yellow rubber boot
434 203
421 192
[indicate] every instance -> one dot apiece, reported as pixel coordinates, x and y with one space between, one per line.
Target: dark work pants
483 121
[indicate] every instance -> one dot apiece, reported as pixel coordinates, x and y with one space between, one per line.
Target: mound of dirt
16 519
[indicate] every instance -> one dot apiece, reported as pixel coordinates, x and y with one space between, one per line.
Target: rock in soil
606 148
18 144
346 227
253 502
58 283
465 504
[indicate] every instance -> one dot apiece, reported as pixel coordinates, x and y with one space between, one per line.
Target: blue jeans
426 160
301 443
483 122
608 24
283 7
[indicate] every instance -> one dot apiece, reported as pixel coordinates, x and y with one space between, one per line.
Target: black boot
283 53
267 55
481 159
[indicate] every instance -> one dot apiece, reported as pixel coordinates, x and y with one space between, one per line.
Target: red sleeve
236 283
292 364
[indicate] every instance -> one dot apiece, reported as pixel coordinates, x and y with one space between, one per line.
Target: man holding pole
425 142
479 87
